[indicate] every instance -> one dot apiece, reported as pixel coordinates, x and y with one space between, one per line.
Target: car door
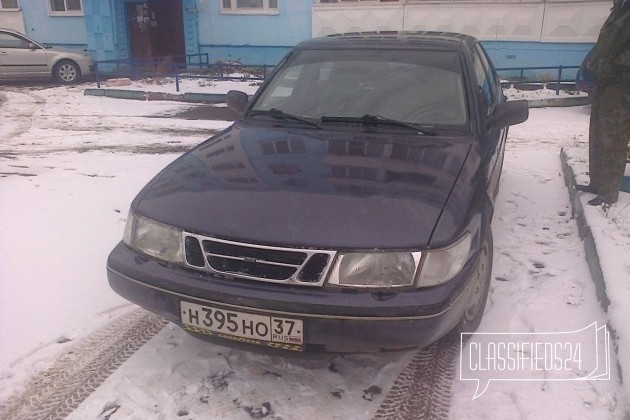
489 89
19 57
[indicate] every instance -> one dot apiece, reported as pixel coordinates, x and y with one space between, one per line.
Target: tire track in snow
55 392
423 388
22 118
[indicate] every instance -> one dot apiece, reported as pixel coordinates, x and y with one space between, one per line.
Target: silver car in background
23 58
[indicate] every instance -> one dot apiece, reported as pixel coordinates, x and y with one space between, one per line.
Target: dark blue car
348 210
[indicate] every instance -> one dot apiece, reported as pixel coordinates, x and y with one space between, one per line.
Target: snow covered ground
70 166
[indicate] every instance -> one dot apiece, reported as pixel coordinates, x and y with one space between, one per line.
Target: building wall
534 20
99 24
12 19
531 33
59 31
255 38
511 54
191 25
516 34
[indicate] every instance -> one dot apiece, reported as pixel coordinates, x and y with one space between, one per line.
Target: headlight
442 265
153 238
375 269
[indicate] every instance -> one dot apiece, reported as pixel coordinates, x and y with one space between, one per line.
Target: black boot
586 188
599 201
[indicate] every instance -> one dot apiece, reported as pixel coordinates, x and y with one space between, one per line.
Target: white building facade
515 33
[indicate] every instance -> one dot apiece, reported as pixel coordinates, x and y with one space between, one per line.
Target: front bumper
87 67
335 321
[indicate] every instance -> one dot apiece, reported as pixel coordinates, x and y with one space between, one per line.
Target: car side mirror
237 101
32 46
509 113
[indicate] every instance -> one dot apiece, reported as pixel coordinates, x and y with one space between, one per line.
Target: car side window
12 41
486 81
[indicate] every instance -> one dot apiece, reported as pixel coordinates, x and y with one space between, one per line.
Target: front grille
257 262
314 268
213 247
256 268
194 256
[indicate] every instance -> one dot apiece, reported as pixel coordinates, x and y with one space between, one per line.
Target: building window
269 7
9 4
281 147
66 7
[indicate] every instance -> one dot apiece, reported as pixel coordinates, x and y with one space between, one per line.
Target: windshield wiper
281 115
368 119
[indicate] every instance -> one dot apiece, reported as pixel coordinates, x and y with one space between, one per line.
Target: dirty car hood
309 188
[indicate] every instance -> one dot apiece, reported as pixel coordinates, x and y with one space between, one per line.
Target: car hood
309 188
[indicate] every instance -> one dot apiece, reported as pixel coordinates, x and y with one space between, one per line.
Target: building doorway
156 31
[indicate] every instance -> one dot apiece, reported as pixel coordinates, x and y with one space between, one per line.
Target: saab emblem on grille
250 259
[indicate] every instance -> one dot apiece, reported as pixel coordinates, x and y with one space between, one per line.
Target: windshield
418 87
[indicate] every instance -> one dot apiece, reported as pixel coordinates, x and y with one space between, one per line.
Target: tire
67 72
473 314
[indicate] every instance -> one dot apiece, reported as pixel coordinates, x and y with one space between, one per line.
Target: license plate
270 331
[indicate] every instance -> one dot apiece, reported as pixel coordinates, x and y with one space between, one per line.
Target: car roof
393 39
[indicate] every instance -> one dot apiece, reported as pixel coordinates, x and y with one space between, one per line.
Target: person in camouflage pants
610 113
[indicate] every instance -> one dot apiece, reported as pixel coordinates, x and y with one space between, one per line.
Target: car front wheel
67 72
